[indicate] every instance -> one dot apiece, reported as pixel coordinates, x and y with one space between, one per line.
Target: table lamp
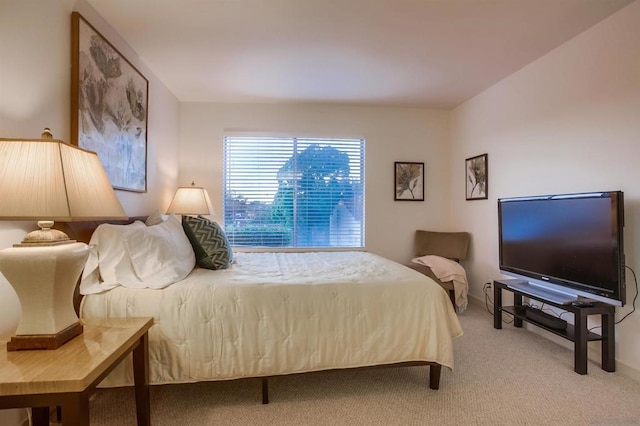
45 180
190 200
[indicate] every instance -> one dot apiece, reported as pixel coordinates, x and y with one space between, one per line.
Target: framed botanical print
476 171
409 179
109 101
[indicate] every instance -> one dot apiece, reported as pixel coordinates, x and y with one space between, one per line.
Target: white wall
391 134
35 74
568 122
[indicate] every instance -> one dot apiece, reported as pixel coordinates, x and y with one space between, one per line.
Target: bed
276 313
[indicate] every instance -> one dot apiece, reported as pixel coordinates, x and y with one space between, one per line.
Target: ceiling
413 53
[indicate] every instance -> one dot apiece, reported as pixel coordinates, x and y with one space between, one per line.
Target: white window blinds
294 192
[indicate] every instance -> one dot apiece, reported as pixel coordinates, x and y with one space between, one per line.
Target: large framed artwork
409 178
476 171
109 100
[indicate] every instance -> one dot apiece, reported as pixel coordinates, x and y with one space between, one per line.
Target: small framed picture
476 171
409 178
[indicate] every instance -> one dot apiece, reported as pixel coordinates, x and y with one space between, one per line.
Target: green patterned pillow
209 242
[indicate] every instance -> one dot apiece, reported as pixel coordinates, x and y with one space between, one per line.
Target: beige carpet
509 376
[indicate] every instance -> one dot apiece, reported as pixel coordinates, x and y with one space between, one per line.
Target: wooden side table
67 376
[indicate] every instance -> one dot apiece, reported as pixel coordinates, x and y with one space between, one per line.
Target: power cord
564 313
633 304
555 314
488 301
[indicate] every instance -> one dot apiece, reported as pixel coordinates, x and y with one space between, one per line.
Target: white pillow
160 255
106 252
155 218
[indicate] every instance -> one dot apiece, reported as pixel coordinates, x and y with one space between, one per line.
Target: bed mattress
282 313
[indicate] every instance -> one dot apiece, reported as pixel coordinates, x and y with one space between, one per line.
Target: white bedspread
280 313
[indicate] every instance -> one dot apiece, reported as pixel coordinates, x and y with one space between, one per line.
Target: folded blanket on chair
448 270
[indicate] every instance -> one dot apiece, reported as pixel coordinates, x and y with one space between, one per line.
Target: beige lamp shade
190 200
49 179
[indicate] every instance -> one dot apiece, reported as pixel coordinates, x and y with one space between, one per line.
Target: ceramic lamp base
44 278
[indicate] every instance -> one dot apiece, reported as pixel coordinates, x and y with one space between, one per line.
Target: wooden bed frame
82 231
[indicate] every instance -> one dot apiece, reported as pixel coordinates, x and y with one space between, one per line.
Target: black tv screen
568 241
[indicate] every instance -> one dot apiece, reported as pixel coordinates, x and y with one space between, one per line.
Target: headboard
82 231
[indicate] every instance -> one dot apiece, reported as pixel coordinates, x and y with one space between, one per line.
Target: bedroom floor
504 376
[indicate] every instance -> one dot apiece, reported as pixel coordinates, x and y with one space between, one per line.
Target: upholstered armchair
450 245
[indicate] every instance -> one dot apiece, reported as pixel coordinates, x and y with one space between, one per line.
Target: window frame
355 149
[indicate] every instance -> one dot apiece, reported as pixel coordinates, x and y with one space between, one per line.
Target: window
294 192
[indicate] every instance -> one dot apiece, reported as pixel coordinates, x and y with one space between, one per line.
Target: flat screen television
565 247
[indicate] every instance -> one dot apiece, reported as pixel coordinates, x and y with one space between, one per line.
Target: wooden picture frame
476 177
409 181
109 104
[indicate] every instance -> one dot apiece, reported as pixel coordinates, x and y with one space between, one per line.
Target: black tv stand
577 333
539 316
